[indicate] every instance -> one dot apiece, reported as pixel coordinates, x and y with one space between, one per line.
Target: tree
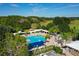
35 26
4 37
49 25
9 43
25 25
54 29
43 27
21 46
63 23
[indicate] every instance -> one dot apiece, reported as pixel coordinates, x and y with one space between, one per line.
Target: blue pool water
35 41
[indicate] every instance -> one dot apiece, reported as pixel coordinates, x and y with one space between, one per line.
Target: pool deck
51 41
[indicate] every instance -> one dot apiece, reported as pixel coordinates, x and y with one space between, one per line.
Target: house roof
74 45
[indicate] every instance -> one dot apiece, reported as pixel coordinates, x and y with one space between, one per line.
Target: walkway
66 52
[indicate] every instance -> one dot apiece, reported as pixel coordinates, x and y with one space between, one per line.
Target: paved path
67 53
50 41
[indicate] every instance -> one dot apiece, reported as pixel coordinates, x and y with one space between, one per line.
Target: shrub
47 36
57 49
41 50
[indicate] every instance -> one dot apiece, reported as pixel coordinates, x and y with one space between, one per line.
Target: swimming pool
35 41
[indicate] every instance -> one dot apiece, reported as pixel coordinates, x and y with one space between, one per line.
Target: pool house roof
36 30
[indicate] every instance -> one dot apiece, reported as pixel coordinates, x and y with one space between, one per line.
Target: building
38 30
73 48
19 32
